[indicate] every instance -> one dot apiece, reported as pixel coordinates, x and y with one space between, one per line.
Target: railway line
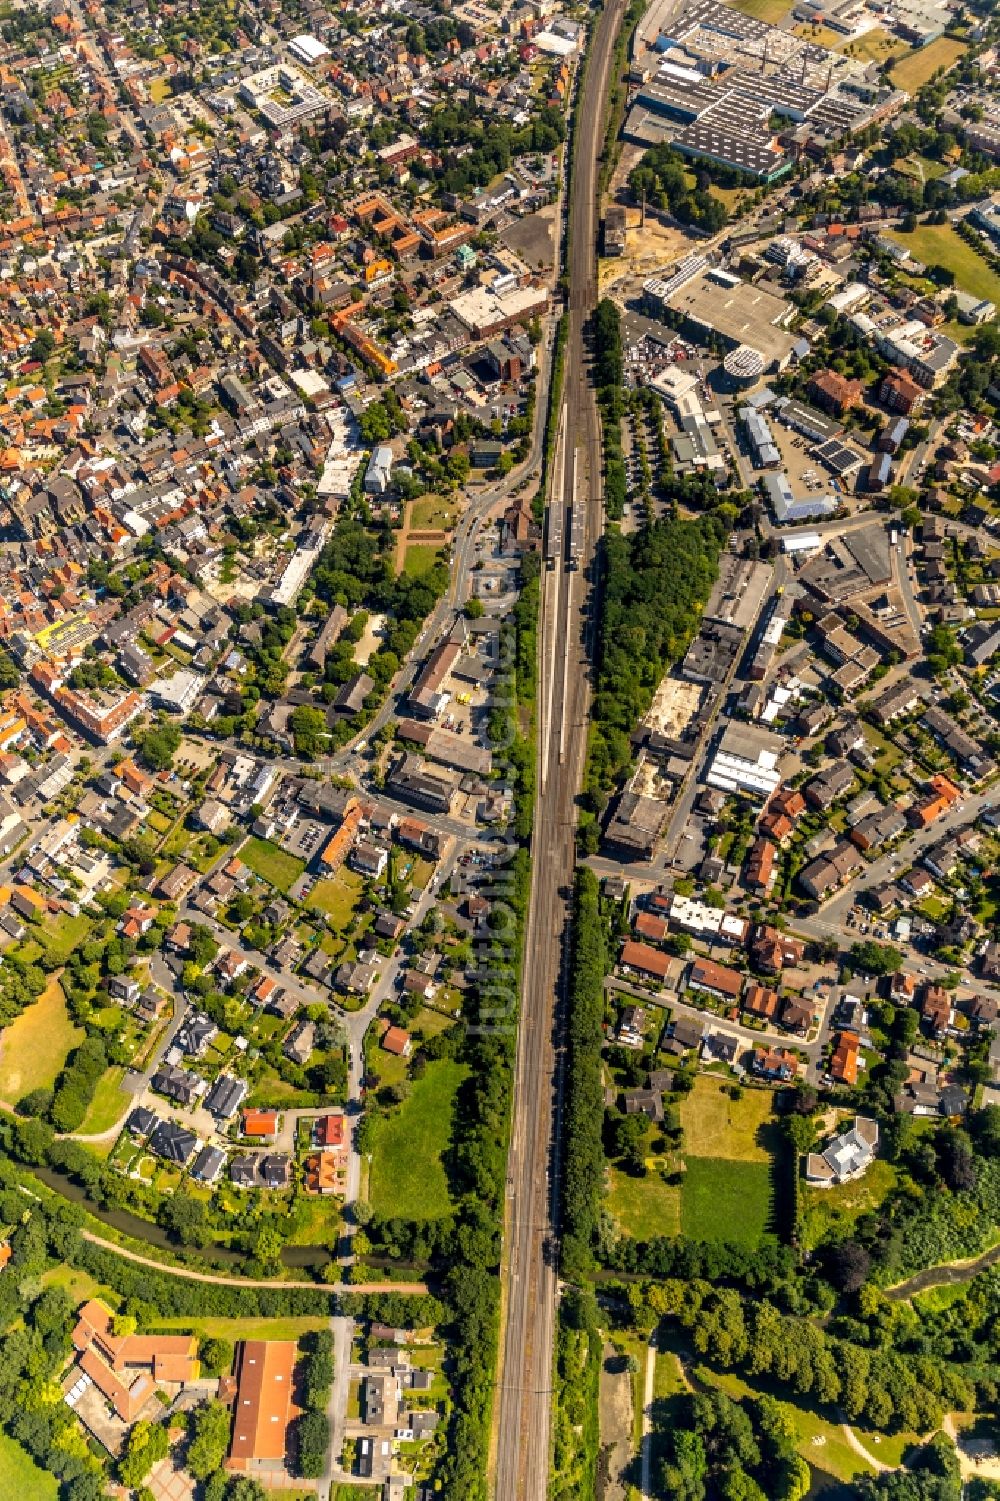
573 527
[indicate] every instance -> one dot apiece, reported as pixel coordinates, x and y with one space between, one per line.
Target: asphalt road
521 1464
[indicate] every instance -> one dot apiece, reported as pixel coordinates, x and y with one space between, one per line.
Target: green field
272 864
236 1329
644 1207
63 935
726 1201
21 1477
821 1443
433 513
716 1125
940 245
919 66
35 1046
408 1178
826 1210
338 897
420 558
768 11
108 1105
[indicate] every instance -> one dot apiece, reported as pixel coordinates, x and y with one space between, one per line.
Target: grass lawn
21 1477
420 558
408 1177
769 11
726 1201
108 1105
940 245
432 513
914 70
271 863
235 1329
715 1125
821 1443
338 897
935 1299
353 1493
63 935
35 1046
430 1023
825 1210
875 46
79 1285
644 1207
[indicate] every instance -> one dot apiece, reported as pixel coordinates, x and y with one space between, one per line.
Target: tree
208 1446
147 1443
849 1266
157 746
875 958
313 1434
185 1218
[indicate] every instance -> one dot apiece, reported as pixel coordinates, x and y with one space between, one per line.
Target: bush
76 1084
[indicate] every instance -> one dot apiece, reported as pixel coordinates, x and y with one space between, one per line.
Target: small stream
299 1258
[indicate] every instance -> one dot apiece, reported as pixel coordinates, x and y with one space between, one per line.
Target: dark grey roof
175 1143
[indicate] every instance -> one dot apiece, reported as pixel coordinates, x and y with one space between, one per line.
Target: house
685 1033
299 1043
796 1014
326 1172
262 1409
647 1102
172 1142
761 1002
936 1010
178 1084
919 883
208 1164
420 985
275 1170
773 950
642 959
122 989
178 938
141 1121
243 1171
715 979
983 1011
195 1033
259 1125
127 1368
226 1096
903 989
329 1131
720 1047
774 1063
847 1156
631 1026
396 1041
845 1057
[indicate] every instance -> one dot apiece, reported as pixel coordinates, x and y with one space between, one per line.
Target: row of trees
583 1150
609 369
656 583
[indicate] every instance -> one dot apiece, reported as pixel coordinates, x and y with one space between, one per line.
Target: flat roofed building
263 1406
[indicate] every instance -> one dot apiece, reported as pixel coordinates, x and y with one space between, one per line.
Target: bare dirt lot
648 248
616 1422
532 238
